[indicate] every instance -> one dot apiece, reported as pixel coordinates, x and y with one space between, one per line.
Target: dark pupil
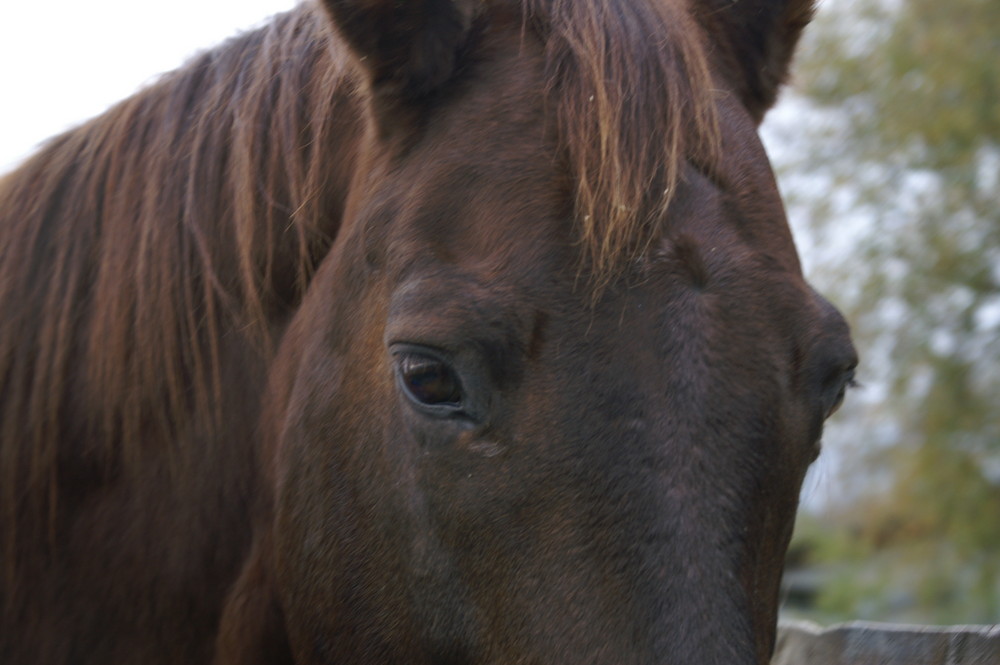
429 380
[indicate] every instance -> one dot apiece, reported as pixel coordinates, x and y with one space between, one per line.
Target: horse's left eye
428 380
846 382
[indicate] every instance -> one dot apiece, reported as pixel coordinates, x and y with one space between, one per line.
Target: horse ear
409 47
757 39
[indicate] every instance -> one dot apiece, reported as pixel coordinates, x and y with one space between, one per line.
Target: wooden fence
864 643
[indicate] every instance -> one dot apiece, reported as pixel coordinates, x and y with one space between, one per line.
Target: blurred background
887 150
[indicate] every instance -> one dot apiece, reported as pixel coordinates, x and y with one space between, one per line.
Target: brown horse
441 331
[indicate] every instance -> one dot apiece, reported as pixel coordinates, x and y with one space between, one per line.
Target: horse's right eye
428 380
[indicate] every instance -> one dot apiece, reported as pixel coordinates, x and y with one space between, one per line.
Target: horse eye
847 383
837 401
428 380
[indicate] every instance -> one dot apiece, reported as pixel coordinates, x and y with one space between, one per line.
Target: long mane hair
129 247
134 245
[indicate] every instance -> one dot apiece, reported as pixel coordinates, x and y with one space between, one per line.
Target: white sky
64 61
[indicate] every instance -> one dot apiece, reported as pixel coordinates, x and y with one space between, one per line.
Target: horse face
483 459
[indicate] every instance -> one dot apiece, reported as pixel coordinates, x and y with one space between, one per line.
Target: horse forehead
486 181
492 207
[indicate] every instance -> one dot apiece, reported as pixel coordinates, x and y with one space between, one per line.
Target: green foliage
913 154
929 70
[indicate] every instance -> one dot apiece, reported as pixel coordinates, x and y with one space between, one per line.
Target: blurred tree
906 172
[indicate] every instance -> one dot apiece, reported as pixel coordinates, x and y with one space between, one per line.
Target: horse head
551 395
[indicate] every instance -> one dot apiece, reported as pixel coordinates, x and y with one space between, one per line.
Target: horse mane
200 206
635 100
130 245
